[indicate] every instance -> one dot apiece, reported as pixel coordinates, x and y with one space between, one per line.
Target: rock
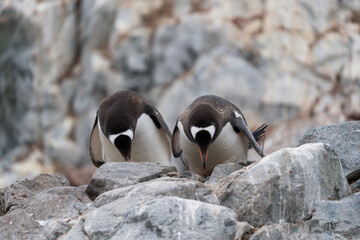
76 233
53 229
282 231
337 217
80 175
18 192
132 58
244 229
120 174
223 170
354 176
177 45
165 186
58 203
283 186
2 203
167 217
355 186
60 147
18 123
19 225
292 130
46 215
344 138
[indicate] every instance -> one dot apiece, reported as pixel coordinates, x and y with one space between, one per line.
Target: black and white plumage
128 128
212 131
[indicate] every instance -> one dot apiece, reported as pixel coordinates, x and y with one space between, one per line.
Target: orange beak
127 158
203 155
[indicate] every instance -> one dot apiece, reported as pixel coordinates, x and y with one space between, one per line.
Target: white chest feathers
149 144
229 146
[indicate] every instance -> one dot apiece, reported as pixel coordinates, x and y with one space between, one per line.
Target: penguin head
203 127
120 130
122 141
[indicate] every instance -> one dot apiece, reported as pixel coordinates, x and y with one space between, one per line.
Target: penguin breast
150 144
229 146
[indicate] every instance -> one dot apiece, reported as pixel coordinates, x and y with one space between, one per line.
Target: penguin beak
127 157
123 144
203 155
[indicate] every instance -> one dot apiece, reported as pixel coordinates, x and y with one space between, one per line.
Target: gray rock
344 138
354 176
17 193
18 37
53 229
120 174
132 58
223 170
337 217
177 45
2 203
355 186
244 230
283 186
167 217
282 231
165 186
58 203
19 225
76 233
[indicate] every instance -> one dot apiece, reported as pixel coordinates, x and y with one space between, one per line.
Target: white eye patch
237 115
210 129
128 133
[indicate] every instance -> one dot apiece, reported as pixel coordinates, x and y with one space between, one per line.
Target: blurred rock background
292 64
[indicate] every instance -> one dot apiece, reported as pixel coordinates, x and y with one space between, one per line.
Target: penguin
211 131
128 128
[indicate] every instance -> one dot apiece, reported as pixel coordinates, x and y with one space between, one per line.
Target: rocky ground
307 192
291 64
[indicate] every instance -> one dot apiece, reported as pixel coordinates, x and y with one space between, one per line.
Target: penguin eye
210 129
128 133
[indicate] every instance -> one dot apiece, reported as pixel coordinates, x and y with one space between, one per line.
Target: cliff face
291 63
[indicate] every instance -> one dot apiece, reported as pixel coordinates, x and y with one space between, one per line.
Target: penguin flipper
175 142
95 145
176 148
259 133
158 120
240 125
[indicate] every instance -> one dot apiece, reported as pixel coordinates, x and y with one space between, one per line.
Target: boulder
283 186
46 215
223 170
19 225
76 233
120 174
166 217
17 193
337 217
55 228
18 123
57 203
355 186
344 138
282 231
165 186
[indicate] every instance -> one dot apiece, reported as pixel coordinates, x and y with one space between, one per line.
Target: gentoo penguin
128 128
212 131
